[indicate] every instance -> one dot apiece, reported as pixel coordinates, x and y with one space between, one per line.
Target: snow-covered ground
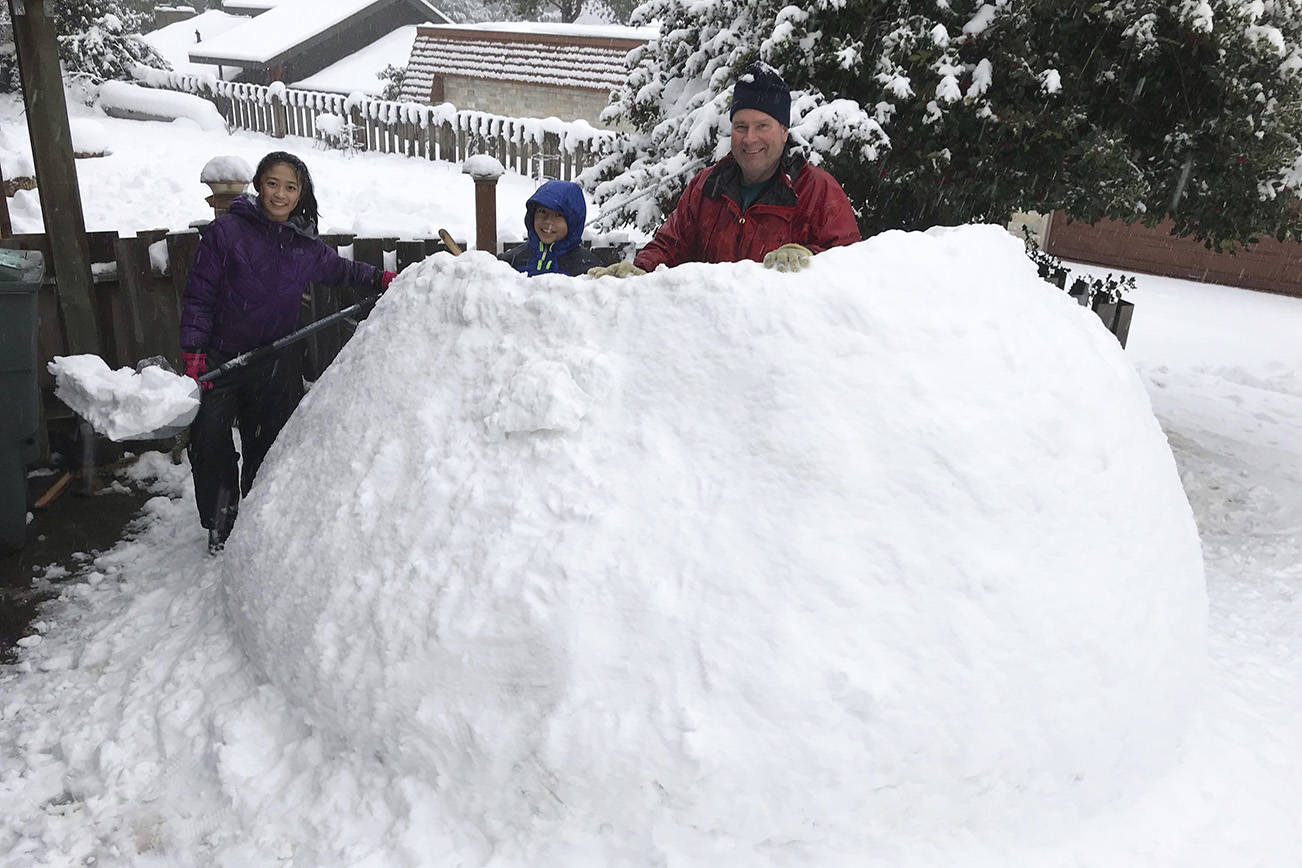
141 727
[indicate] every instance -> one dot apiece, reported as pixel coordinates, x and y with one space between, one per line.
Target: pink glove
196 364
385 279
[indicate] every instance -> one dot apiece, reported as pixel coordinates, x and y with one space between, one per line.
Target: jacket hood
246 205
565 197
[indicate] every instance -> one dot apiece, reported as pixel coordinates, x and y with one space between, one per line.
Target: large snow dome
722 560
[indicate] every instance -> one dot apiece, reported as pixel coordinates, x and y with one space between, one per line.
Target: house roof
291 26
566 55
242 7
357 73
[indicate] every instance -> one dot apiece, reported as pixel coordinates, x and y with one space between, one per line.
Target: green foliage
951 111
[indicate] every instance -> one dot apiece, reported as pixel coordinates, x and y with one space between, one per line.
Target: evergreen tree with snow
98 39
949 111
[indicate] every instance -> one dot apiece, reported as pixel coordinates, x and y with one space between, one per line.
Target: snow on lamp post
228 177
485 170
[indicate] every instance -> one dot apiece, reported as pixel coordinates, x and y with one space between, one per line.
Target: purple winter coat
249 275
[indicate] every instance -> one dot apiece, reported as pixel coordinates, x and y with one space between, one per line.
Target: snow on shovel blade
150 403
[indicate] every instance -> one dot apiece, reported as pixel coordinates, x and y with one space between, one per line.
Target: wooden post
6 227
279 117
56 173
485 170
486 214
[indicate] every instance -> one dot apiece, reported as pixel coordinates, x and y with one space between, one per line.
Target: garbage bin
20 283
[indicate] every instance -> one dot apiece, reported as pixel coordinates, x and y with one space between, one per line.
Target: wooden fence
530 146
138 308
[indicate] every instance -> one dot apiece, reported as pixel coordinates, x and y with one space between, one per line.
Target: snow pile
15 153
483 166
134 101
721 561
88 138
226 168
124 404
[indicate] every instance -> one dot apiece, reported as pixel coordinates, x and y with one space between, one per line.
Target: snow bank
122 99
766 564
124 404
88 138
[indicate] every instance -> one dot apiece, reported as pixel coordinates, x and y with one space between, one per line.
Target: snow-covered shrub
98 39
336 132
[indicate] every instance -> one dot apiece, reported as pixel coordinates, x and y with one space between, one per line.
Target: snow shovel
155 402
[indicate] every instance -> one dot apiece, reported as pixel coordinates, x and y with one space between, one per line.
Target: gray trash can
21 272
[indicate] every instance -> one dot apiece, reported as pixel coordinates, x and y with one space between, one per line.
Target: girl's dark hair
307 208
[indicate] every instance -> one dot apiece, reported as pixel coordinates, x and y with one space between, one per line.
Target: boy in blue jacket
553 220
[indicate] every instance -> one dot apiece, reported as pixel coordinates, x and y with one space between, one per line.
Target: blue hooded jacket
566 256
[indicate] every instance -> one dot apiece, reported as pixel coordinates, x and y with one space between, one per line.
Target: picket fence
535 147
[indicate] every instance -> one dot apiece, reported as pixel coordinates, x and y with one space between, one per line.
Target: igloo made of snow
721 554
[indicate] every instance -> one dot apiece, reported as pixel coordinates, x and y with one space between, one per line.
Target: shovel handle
452 246
293 337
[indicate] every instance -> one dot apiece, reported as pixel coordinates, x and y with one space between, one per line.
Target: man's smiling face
757 142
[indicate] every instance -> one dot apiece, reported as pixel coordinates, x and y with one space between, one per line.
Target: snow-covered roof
358 71
567 55
246 6
266 39
176 40
586 31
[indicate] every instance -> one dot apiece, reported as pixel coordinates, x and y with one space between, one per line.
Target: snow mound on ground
721 558
123 99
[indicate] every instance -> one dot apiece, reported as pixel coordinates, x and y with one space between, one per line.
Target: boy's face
550 225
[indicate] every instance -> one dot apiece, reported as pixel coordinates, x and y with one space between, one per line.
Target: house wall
165 15
522 100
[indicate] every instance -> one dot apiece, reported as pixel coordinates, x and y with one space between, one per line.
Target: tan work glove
788 257
619 269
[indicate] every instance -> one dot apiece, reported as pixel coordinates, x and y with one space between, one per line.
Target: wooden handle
452 245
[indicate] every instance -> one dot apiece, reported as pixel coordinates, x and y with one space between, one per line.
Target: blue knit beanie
761 87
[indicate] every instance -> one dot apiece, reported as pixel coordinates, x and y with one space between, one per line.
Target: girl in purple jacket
244 291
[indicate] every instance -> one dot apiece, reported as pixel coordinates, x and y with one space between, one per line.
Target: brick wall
521 100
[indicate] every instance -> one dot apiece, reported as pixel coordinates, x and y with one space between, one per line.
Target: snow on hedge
770 567
132 100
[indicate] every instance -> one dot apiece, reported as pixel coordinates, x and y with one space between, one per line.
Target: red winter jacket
803 205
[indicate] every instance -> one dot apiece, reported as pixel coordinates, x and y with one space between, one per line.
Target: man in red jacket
758 203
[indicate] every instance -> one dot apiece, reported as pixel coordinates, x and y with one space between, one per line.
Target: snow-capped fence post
485 170
447 140
551 153
279 115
